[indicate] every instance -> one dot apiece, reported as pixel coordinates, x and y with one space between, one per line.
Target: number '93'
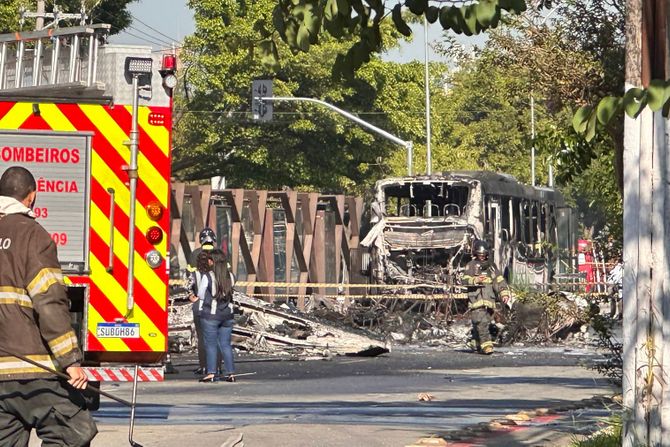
41 213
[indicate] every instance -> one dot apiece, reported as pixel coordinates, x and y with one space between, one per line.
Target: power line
153 29
164 42
160 50
155 40
143 38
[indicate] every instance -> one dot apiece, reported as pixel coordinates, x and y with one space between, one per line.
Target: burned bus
422 229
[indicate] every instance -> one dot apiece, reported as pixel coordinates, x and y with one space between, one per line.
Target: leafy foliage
488 115
304 146
656 96
299 24
596 199
113 12
9 15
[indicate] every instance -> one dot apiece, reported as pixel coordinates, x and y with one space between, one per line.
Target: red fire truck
93 122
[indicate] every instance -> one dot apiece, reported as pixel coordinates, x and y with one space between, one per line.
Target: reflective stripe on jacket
486 284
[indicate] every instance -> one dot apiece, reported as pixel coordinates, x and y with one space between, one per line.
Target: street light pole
429 161
406 144
532 138
134 68
132 177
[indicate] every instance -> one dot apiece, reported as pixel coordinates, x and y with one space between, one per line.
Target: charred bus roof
491 183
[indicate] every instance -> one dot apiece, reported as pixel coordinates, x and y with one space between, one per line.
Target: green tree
305 146
489 119
114 12
303 23
9 15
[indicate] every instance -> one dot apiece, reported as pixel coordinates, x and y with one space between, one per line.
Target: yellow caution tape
414 296
336 285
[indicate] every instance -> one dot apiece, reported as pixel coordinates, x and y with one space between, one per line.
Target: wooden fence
273 236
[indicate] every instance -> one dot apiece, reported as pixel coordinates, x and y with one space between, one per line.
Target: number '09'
59 238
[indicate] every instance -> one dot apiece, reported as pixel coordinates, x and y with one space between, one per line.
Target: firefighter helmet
480 247
207 236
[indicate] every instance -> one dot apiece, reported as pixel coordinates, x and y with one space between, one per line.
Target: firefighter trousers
55 410
481 320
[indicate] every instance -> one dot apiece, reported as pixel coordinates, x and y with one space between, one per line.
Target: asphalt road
352 401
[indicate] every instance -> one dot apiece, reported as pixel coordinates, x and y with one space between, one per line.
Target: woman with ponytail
216 317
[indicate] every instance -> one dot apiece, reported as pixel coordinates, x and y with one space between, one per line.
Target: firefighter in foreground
35 323
486 284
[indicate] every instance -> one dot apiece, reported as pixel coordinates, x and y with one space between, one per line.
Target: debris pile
536 318
371 327
265 328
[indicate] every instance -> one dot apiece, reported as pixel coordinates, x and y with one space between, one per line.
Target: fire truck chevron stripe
102 224
117 137
4 108
55 118
35 122
106 374
122 195
114 307
150 279
115 158
149 141
156 133
117 297
16 116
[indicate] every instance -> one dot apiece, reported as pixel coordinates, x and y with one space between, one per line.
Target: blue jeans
217 336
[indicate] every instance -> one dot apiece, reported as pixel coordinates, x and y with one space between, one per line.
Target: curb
476 434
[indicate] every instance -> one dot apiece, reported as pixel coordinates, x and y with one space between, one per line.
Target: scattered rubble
371 328
265 328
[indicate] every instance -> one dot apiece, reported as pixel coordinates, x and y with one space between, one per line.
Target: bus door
494 228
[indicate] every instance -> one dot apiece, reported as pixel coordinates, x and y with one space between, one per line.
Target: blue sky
159 23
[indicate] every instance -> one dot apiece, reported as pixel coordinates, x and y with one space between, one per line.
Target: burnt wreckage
422 229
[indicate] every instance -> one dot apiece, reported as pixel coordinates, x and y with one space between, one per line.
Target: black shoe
229 378
209 379
199 371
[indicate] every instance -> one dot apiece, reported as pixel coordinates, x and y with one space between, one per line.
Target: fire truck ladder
51 59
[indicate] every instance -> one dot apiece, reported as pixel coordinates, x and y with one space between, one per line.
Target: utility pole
56 16
429 161
39 22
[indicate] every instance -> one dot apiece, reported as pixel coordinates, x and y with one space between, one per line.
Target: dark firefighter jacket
486 284
34 314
